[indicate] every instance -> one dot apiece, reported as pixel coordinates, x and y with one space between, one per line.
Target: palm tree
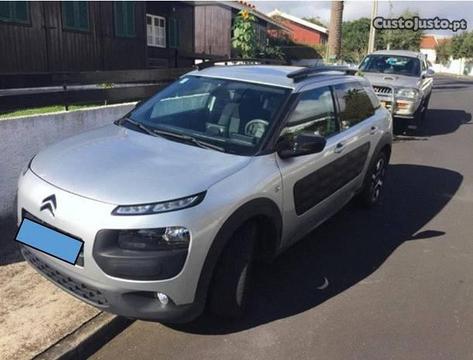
335 30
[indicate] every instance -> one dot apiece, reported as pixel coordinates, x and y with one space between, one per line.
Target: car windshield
390 64
233 116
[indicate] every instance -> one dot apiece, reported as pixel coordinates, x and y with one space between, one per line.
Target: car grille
82 291
382 90
27 215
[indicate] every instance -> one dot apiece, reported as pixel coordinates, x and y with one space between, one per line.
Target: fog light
163 298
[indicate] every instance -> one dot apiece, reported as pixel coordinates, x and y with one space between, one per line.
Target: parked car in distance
226 166
403 82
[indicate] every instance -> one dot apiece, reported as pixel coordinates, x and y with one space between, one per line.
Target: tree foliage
402 39
244 39
315 20
462 46
244 34
443 51
355 35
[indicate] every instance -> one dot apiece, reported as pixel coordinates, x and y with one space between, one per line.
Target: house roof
428 42
241 5
299 21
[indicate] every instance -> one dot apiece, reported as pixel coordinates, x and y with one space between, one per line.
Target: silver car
175 202
403 83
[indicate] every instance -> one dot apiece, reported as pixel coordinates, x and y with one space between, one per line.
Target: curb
87 339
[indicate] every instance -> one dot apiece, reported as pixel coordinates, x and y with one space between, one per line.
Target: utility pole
374 13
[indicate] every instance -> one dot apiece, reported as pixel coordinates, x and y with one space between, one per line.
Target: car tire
374 181
425 108
231 282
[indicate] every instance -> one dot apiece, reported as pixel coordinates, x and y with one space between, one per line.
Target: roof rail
240 61
319 70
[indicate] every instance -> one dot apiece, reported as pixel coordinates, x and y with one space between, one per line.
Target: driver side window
313 113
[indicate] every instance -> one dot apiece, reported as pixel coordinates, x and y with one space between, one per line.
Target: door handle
339 147
373 130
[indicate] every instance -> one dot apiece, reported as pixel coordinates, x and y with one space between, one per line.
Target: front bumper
85 218
399 107
140 305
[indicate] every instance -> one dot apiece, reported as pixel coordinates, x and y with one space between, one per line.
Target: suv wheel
374 181
230 287
425 108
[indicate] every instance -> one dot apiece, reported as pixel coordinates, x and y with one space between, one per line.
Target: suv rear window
354 104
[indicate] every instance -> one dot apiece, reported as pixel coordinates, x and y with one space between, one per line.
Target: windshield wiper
199 143
157 132
140 126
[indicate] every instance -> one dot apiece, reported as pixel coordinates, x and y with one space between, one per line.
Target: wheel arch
269 218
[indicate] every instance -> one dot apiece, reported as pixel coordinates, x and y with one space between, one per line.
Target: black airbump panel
323 182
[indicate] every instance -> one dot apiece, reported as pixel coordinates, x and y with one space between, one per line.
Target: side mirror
301 144
428 73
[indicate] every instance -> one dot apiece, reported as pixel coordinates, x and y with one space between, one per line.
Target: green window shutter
83 15
130 19
75 15
125 18
68 14
119 26
173 33
14 11
5 10
21 11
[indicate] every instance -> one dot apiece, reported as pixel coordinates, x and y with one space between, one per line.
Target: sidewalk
34 314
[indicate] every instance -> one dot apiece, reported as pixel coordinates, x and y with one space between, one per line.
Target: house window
156 30
75 15
14 11
124 14
173 33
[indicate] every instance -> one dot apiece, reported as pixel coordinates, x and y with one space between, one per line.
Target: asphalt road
400 276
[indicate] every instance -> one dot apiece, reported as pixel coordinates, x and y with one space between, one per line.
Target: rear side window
314 113
354 103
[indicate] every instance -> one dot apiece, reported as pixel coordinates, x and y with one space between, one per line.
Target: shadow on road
345 250
443 121
436 122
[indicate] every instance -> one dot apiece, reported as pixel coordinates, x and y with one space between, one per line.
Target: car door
318 185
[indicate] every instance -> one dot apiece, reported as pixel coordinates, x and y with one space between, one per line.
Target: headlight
160 207
169 238
409 93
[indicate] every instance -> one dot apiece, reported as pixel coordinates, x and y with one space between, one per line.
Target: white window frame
158 33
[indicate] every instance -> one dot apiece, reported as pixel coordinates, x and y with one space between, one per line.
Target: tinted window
355 104
370 92
314 113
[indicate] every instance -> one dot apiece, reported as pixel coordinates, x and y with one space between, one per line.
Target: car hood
393 80
120 166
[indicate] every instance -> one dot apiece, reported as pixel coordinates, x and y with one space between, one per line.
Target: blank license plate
49 241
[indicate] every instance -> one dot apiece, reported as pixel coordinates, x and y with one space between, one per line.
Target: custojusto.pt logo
417 23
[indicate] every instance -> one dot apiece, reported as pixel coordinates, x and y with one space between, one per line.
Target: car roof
407 53
274 75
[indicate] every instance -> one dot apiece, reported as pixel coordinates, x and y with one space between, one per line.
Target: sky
452 10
